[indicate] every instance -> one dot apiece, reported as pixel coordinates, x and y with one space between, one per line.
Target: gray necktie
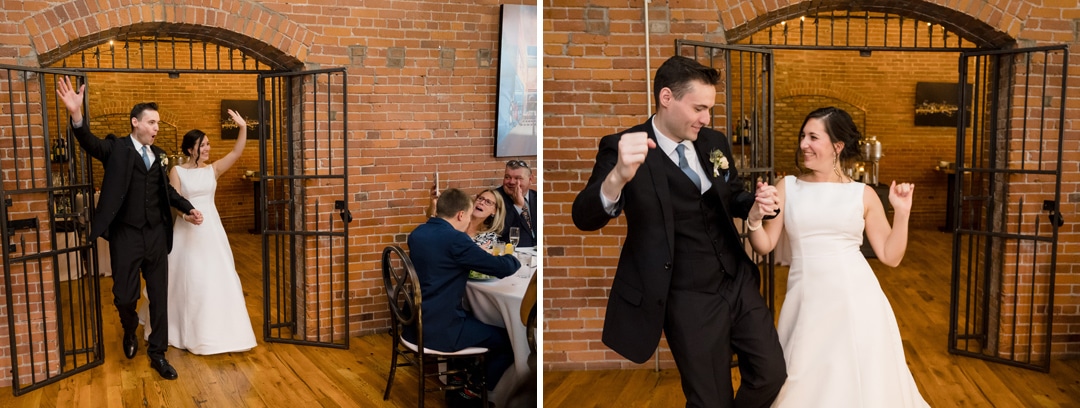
146 156
685 166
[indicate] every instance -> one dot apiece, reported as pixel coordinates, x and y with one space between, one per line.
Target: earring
836 167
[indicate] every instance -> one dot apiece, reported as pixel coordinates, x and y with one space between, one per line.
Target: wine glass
515 236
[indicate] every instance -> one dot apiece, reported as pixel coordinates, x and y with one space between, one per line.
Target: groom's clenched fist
633 147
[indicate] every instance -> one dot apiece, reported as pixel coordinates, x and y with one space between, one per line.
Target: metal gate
748 116
50 281
1008 158
303 158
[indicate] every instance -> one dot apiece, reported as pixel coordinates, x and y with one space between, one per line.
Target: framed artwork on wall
938 104
249 110
518 82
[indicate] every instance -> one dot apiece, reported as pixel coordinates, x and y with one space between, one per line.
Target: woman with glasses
488 214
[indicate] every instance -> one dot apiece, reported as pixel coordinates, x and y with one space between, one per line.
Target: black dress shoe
131 345
163 368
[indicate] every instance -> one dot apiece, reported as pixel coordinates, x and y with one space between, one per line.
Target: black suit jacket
513 219
639 291
118 157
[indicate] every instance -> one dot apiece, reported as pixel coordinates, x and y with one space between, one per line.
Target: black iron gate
748 116
303 153
50 282
1008 158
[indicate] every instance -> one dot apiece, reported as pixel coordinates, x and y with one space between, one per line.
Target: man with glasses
516 190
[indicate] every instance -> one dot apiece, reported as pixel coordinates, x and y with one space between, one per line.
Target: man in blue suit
443 256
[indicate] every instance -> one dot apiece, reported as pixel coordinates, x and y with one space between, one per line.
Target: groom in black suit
133 214
682 269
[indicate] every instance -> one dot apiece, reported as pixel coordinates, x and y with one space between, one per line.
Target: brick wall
595 84
404 119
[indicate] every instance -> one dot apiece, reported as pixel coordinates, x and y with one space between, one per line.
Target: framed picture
938 104
515 114
249 110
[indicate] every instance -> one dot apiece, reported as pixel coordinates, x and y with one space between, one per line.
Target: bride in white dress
840 339
207 312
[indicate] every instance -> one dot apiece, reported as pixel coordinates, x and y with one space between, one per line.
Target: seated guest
515 190
486 218
443 256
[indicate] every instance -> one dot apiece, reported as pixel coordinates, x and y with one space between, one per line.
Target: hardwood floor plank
271 375
919 293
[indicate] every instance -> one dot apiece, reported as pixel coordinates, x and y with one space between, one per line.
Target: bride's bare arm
889 242
221 166
765 237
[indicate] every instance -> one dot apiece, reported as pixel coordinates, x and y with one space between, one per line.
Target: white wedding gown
207 312
839 334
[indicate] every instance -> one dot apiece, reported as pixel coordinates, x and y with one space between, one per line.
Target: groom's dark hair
138 109
678 72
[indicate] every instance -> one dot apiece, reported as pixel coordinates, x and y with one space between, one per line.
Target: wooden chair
403 296
528 316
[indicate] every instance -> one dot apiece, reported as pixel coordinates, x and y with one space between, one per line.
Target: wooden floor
919 292
271 375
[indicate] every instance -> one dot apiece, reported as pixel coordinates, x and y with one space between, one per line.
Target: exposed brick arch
833 91
268 36
990 24
106 108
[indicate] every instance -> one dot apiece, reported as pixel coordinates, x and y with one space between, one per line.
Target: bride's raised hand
900 196
236 117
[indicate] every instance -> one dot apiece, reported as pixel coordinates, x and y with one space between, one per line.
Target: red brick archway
253 28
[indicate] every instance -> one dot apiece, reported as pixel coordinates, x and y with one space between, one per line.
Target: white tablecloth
498 302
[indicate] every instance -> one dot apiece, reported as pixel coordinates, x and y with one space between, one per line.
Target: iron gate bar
866 18
284 197
995 71
91 57
54 317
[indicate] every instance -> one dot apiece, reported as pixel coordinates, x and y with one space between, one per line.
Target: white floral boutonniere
719 162
164 160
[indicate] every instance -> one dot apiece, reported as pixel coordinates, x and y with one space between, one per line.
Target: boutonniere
719 162
164 160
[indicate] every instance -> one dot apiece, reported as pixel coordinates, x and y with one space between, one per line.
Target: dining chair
405 301
528 316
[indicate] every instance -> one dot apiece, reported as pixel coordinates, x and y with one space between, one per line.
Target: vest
142 202
699 241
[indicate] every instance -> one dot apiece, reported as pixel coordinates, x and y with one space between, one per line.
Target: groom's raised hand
72 100
633 148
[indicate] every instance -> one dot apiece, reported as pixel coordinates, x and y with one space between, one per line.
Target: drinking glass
515 236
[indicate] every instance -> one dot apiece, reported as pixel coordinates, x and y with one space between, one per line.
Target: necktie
146 156
526 216
685 166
